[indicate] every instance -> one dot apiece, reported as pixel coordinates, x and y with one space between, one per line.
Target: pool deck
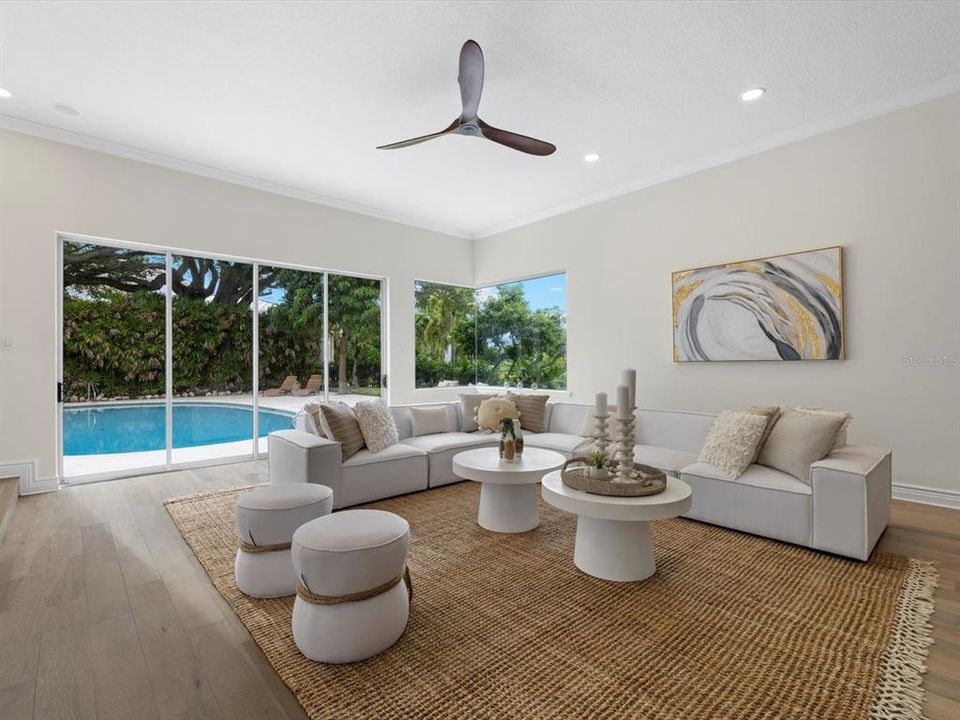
77 467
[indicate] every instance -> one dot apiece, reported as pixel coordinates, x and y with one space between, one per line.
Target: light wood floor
105 612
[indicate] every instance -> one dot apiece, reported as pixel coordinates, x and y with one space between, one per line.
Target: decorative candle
601 403
630 380
624 406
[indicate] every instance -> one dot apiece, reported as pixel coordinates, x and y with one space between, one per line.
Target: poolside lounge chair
313 386
288 385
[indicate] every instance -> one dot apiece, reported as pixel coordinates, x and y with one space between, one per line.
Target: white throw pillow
468 405
429 420
377 425
732 441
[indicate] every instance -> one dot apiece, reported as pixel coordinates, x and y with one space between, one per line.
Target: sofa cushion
395 452
567 418
450 441
532 409
670 461
560 442
759 476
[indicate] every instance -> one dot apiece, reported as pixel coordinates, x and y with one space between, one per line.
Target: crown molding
916 96
89 142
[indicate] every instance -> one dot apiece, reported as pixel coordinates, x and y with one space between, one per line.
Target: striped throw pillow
343 428
533 411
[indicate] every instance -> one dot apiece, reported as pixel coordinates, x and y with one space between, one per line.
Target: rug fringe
899 694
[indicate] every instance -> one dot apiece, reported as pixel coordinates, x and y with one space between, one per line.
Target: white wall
48 187
887 190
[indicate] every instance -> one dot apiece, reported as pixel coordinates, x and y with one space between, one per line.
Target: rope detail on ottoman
251 548
306 595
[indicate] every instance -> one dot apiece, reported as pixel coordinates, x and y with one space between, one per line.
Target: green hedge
117 344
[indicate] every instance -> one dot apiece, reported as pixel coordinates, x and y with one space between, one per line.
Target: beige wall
47 187
887 190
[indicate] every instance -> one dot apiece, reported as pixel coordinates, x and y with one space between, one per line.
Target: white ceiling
295 96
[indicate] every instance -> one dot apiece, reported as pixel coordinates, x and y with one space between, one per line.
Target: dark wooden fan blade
515 140
470 79
423 138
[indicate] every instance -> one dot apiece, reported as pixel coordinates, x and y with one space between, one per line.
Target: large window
511 334
170 359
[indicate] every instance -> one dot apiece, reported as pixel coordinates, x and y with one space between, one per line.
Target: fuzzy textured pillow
798 440
429 420
491 412
377 425
468 409
532 409
732 441
340 425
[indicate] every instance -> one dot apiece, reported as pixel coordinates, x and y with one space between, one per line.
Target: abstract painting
786 307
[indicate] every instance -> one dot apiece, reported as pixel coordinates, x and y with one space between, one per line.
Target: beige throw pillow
340 425
772 414
841 438
732 441
798 440
468 409
377 425
429 420
533 411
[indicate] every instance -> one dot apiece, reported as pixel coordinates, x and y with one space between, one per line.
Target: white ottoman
353 593
266 520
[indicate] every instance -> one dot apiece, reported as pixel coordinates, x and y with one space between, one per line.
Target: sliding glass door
355 318
290 314
212 348
113 359
171 359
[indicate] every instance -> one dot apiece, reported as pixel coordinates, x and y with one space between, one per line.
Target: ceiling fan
469 123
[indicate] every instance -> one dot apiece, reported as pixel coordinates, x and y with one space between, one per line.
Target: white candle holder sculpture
601 437
625 443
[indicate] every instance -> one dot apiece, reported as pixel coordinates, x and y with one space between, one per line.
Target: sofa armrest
851 499
297 456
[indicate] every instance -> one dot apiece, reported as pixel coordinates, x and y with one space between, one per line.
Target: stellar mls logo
951 360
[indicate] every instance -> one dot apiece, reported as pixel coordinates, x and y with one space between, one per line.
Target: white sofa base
843 509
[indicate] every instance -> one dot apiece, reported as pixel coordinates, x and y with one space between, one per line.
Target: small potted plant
597 469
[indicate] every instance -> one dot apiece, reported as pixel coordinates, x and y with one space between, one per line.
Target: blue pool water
142 426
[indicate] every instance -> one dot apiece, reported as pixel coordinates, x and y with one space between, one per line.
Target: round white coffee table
613 533
508 491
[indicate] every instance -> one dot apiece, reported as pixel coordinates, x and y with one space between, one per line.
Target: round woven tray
647 480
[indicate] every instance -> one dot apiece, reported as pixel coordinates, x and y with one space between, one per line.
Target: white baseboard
29 482
927 495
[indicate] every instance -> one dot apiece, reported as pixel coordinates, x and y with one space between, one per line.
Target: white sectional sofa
843 508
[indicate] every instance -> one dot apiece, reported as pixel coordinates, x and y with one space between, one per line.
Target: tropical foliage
494 338
114 325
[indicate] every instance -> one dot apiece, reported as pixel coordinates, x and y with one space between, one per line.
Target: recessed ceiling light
66 110
591 157
4 93
753 94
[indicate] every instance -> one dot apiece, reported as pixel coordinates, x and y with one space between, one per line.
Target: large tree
96 268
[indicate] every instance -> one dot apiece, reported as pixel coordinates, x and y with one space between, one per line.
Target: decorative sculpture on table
629 478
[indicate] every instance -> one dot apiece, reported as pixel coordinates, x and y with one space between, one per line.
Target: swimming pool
139 427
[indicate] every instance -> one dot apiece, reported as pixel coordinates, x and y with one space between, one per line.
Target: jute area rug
505 626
